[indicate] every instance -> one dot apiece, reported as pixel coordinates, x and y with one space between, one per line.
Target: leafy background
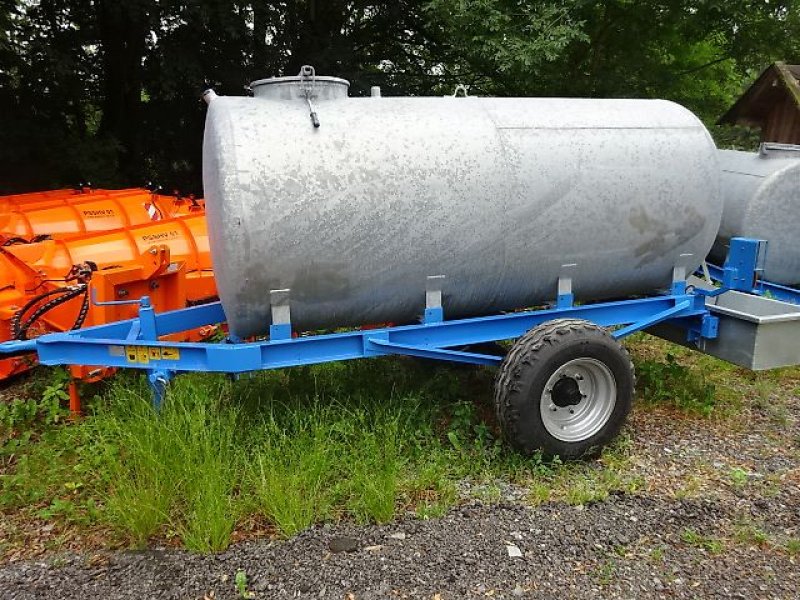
108 92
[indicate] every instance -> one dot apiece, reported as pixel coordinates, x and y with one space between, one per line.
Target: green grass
710 544
693 383
358 441
792 547
750 534
364 441
738 477
669 381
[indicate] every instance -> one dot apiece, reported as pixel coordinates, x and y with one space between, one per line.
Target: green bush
672 383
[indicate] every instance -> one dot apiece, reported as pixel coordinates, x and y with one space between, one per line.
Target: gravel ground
626 547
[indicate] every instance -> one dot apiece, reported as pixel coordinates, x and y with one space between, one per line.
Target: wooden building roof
776 82
771 103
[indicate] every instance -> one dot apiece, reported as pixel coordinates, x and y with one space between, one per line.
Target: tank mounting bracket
565 297
679 273
434 313
281 328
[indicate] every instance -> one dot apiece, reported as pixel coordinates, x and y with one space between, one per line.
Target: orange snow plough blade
61 284
55 197
62 216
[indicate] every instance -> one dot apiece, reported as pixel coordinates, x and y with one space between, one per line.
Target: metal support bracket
653 319
708 329
680 273
281 328
743 268
147 320
434 313
145 327
565 298
380 345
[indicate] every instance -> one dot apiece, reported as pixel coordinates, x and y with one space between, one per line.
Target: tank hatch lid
293 87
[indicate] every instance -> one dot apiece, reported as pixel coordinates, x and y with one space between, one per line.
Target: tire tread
526 354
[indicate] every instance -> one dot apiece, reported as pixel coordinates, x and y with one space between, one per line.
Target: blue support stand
747 256
158 381
745 264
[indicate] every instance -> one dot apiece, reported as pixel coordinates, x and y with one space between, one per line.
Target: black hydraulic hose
17 318
15 240
79 320
66 296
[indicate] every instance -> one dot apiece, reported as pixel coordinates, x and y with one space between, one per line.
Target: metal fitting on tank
209 95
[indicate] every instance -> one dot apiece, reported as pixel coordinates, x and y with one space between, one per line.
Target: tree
696 52
108 91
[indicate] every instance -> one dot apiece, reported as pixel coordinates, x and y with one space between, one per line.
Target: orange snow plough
55 197
62 284
33 217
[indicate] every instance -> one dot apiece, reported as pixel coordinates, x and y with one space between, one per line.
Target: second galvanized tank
761 194
496 194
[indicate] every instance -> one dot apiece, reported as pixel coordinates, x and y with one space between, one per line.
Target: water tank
351 203
761 194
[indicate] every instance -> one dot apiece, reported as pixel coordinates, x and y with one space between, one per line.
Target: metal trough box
754 332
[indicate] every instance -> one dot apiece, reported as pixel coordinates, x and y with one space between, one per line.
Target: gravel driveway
626 547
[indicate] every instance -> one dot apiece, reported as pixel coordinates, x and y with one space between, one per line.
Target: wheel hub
578 399
566 392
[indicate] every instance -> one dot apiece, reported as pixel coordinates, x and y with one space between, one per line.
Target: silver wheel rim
578 399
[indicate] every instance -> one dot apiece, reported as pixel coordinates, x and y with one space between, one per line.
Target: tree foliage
108 91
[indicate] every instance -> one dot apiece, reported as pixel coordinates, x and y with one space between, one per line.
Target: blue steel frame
748 256
762 287
135 343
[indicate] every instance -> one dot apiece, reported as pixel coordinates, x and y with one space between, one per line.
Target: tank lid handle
776 150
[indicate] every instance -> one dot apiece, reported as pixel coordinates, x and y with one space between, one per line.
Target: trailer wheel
564 389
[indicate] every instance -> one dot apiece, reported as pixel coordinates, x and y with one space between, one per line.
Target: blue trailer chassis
744 270
135 343
762 287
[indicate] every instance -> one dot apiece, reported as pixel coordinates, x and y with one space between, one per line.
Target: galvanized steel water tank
496 194
761 194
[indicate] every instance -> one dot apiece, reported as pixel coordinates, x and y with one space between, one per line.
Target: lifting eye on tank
309 79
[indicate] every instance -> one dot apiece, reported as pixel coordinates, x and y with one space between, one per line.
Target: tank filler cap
294 87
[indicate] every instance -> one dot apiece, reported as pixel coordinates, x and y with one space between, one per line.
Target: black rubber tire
526 369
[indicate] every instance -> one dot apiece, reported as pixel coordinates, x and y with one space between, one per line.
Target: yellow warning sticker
170 354
131 354
144 354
